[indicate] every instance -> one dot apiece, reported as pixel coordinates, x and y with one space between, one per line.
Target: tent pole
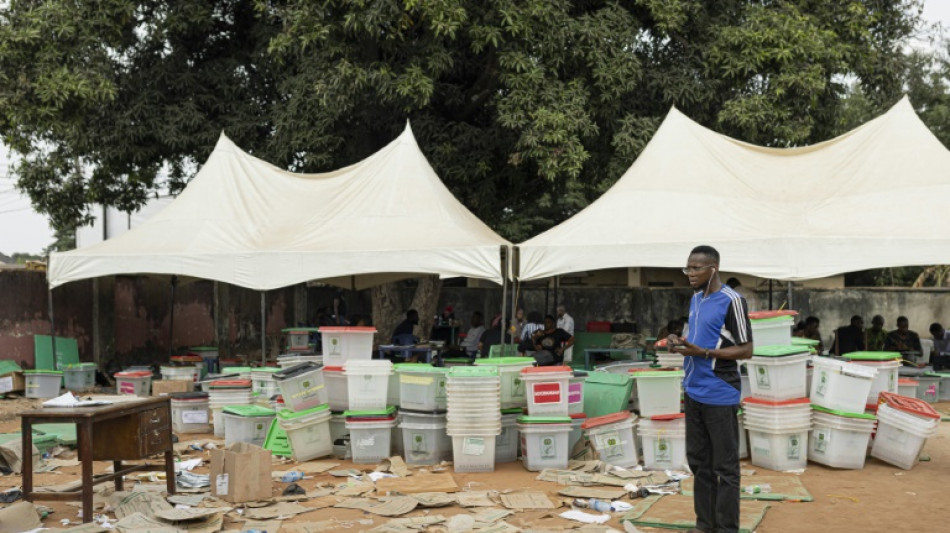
789 294
557 287
171 322
52 327
770 294
504 298
263 331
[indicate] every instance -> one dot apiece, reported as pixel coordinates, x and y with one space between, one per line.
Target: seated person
809 330
940 358
673 327
902 339
533 324
875 336
490 338
850 338
469 346
403 334
443 328
550 343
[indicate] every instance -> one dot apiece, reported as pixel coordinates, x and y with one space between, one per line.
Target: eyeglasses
690 270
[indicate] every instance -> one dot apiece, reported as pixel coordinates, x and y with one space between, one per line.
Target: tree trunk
425 300
389 311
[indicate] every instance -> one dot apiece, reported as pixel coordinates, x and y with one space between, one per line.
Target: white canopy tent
874 197
248 223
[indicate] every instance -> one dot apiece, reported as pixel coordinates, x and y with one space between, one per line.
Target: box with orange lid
664 441
544 441
344 343
137 382
612 437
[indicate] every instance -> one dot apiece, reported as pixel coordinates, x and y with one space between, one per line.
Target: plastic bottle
291 476
764 488
599 505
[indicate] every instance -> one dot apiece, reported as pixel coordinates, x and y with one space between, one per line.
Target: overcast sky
23 230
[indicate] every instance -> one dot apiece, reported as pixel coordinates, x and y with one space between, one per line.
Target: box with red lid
547 389
612 437
133 382
759 411
664 441
343 343
337 388
904 425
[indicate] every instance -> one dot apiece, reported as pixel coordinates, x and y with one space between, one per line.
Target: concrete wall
133 312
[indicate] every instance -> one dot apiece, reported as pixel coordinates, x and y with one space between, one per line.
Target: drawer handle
155 420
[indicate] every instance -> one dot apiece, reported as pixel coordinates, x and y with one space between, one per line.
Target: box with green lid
513 391
79 376
307 431
246 423
421 387
42 383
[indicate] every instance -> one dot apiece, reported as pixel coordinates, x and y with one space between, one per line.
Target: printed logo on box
547 393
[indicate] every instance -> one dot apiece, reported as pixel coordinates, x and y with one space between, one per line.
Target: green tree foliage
528 109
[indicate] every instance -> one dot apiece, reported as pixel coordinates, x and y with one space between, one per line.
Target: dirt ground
880 497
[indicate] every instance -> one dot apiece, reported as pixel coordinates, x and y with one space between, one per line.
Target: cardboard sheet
527 500
418 483
592 492
783 487
396 506
477 498
20 516
676 512
277 510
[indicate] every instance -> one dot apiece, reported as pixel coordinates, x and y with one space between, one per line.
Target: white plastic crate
336 385
506 443
776 448
346 343
901 436
370 441
424 440
841 386
138 383
190 415
181 373
513 391
308 433
79 376
778 378
422 389
839 442
547 390
367 383
544 446
302 386
884 381
772 331
250 429
473 453
658 393
614 441
663 444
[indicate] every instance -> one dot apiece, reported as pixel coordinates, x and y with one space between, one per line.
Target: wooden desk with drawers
127 430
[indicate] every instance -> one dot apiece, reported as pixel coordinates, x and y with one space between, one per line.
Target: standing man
719 335
566 322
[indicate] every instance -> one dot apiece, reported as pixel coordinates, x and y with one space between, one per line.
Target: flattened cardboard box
12 382
164 387
241 473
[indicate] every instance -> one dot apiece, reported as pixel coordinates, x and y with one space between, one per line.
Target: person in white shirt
566 322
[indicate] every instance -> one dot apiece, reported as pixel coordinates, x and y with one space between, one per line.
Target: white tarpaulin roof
874 197
246 222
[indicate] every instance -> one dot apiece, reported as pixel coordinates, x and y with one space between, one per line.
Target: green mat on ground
43 443
676 512
66 433
67 352
788 487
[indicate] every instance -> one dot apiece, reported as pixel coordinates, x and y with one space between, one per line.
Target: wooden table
128 430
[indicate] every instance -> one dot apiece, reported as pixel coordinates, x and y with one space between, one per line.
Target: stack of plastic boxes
546 429
474 416
422 405
514 400
225 393
302 427
777 413
904 425
657 394
341 344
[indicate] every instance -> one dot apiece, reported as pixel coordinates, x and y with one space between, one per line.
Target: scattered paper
500 527
443 482
11 455
526 500
144 503
19 517
189 480
315 467
435 499
475 498
490 515
188 465
190 513
395 506
586 518
277 510
270 526
70 400
398 466
186 499
356 488
352 472
310 527
592 492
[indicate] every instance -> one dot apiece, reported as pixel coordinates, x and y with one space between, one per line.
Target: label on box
547 393
762 378
473 446
517 388
822 436
575 392
662 451
610 445
548 447
416 380
221 484
6 384
195 417
794 447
